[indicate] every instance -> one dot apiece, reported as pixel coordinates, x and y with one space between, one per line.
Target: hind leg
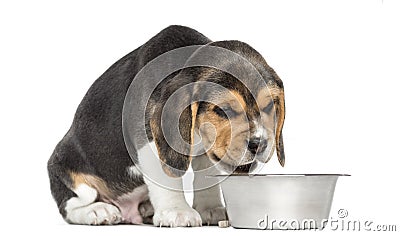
78 203
83 209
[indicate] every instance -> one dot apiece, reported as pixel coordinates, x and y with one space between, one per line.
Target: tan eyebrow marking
237 102
267 95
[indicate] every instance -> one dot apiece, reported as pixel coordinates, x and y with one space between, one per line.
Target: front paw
177 217
212 216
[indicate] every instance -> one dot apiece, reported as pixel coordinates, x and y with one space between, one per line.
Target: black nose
257 145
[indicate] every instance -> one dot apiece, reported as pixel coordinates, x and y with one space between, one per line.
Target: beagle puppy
104 171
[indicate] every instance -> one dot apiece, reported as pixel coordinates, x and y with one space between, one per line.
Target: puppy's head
236 128
237 121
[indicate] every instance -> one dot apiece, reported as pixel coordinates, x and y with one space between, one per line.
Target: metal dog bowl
271 201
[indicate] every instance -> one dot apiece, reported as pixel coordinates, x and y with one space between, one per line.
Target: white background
339 61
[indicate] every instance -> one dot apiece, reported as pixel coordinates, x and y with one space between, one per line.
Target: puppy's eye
225 111
269 107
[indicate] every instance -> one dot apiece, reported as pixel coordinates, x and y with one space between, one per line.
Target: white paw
213 215
98 213
177 217
104 214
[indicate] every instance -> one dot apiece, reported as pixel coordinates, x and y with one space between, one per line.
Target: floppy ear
173 132
280 115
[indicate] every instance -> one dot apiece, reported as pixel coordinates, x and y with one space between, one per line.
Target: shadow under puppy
95 180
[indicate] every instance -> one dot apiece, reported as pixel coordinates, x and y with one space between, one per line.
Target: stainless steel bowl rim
274 175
